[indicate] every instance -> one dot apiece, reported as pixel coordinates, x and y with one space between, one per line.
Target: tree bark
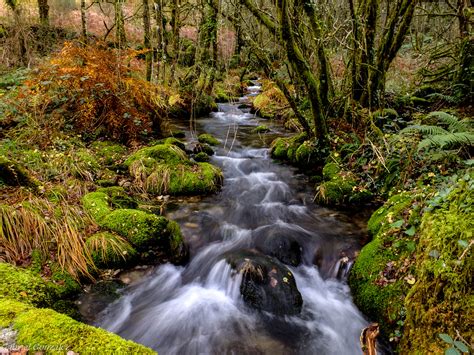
43 10
120 36
84 21
147 39
301 67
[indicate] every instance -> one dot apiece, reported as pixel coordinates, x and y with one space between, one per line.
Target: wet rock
273 241
267 284
204 148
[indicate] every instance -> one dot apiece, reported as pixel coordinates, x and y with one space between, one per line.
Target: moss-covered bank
415 276
52 332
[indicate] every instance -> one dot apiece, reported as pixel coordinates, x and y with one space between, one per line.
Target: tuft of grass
54 230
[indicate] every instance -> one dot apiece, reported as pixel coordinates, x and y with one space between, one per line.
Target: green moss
331 170
261 129
97 205
47 328
109 153
174 174
108 250
176 142
118 198
285 148
380 302
141 229
306 154
390 210
165 153
208 139
201 157
202 178
13 174
340 189
441 301
101 202
24 285
65 285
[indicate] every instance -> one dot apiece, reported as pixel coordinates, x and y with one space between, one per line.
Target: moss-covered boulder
13 174
141 229
285 148
441 300
109 250
261 129
204 148
377 277
25 286
47 329
201 157
133 230
166 169
208 139
109 154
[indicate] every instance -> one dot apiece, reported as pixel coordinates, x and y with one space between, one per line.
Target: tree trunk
160 41
302 69
325 81
84 21
175 26
43 10
146 39
120 36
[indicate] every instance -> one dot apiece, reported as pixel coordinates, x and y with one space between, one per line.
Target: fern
458 133
454 123
424 129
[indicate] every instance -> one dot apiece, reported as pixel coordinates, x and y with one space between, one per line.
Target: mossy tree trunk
22 46
370 61
301 67
160 38
120 35
464 75
285 30
175 23
147 39
327 90
43 10
84 21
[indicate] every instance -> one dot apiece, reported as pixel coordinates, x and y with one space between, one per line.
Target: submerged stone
267 284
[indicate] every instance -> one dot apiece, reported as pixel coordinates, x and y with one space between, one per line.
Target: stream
198 308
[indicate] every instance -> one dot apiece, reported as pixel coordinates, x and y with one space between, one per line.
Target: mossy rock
164 153
307 155
285 148
25 286
118 197
109 153
376 288
201 157
141 229
166 169
97 205
12 174
261 129
330 171
108 250
44 328
103 201
208 139
175 141
337 191
441 300
202 147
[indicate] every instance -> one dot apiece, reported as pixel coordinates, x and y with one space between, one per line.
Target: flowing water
198 308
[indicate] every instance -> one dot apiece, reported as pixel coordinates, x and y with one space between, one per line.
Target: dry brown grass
56 231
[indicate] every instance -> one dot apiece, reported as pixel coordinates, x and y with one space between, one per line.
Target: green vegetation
166 169
44 328
208 139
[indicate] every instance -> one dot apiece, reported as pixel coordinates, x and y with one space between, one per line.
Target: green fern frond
450 140
424 129
454 123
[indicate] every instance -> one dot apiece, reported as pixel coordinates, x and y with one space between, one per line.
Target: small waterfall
198 309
